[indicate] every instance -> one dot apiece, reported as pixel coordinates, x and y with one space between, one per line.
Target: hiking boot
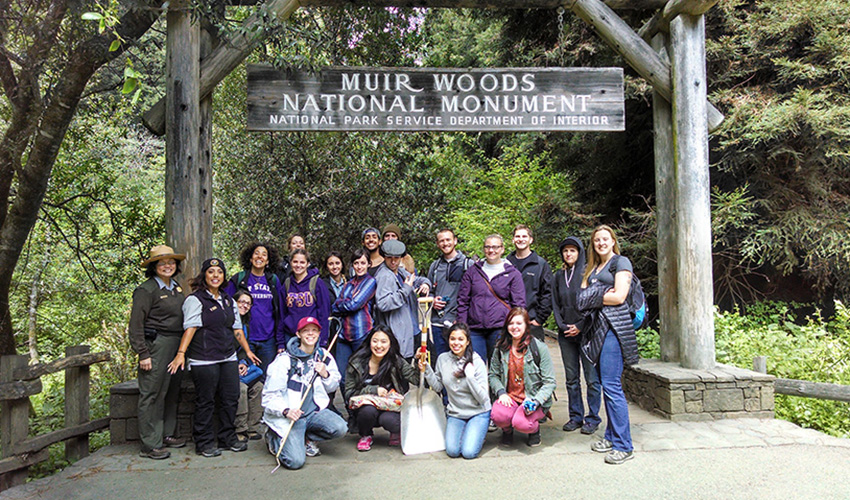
533 439
253 435
311 449
589 428
173 442
209 452
616 457
238 446
365 443
571 426
602 446
395 439
155 454
507 438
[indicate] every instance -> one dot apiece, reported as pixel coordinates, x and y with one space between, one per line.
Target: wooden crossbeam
482 4
634 50
660 22
41 442
36 371
16 462
19 389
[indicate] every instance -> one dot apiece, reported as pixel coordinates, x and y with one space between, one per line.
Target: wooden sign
436 99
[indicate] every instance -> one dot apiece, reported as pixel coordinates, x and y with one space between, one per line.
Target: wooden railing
18 382
804 388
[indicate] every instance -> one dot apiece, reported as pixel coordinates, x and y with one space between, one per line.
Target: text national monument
436 99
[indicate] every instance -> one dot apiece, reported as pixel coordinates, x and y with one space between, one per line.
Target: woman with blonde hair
610 342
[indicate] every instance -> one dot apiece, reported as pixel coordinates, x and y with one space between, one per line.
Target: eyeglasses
492 247
244 302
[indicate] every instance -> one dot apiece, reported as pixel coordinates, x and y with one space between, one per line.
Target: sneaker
174 442
253 435
270 443
155 454
365 443
616 457
571 426
507 438
602 446
492 427
395 439
533 439
589 428
209 452
312 449
238 446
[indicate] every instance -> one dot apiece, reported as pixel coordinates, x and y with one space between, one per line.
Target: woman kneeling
375 378
463 374
522 377
289 379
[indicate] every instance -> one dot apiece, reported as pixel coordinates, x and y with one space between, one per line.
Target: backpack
636 299
288 282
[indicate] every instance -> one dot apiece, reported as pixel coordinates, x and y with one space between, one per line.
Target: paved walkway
729 459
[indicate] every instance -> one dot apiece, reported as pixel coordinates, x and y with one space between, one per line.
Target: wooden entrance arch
669 52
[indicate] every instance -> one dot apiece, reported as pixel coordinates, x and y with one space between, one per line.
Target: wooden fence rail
804 388
18 382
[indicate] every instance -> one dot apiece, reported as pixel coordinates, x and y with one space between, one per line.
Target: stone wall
124 408
690 395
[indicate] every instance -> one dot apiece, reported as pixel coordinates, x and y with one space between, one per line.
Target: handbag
391 402
253 374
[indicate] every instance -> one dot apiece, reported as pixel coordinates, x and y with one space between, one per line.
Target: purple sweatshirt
262 324
476 304
299 303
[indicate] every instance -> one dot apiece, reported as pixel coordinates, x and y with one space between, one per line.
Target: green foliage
796 348
780 69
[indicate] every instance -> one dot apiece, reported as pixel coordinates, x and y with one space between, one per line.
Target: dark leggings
368 417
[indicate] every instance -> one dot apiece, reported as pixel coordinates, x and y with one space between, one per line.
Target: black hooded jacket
537 278
565 294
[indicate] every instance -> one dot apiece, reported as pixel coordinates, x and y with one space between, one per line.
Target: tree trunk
43 133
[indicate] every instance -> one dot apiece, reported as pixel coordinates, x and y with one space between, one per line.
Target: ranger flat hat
160 252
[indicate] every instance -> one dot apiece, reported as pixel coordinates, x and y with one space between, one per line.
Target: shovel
423 416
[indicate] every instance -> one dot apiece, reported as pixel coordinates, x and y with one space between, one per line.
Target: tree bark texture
37 127
696 293
665 206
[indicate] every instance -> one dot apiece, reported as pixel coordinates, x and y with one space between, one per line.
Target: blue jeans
440 344
574 360
484 341
344 350
466 437
322 425
266 350
610 372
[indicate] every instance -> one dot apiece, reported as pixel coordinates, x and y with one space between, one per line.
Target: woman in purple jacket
488 291
305 294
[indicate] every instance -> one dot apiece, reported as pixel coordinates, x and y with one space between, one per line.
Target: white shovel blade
423 423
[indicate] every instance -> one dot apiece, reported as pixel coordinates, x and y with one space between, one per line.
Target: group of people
270 348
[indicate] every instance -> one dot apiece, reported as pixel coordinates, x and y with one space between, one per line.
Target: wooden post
224 59
634 50
14 421
76 404
666 220
690 132
205 247
760 364
184 204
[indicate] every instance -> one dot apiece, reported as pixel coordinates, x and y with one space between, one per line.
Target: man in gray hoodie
445 274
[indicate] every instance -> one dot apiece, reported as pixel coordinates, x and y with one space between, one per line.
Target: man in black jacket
536 276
